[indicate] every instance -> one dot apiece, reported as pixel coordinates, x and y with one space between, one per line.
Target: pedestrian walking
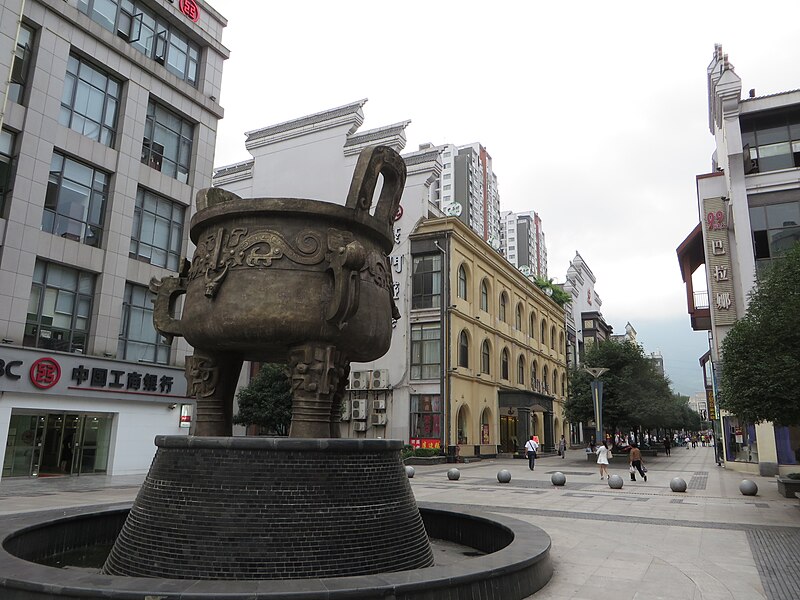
603 454
562 447
635 461
531 447
667 446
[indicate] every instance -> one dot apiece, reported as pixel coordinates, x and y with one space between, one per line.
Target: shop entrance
52 444
508 434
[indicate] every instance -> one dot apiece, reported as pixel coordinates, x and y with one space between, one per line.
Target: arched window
544 379
502 313
532 325
484 296
504 364
521 370
563 384
534 374
561 342
542 331
462 282
485 426
463 424
553 337
518 319
555 382
463 349
485 357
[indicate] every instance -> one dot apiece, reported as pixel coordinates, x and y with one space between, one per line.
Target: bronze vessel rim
283 209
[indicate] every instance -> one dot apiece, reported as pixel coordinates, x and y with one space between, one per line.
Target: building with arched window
496 323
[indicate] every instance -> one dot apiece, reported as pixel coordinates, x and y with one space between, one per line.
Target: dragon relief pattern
222 250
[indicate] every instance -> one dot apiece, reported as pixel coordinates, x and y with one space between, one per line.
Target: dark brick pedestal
272 508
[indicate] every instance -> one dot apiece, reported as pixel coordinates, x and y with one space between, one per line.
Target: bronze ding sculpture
294 281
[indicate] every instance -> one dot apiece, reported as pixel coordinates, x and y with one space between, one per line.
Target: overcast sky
595 114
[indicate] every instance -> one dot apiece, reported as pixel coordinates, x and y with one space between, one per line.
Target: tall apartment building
467 189
749 213
108 131
522 242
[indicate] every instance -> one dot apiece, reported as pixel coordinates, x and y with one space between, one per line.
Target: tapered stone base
272 508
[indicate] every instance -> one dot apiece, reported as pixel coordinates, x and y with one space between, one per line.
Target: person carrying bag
635 460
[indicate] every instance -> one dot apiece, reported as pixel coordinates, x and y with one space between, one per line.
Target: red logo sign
190 9
45 373
398 215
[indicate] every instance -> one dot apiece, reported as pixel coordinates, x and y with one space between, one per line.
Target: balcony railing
701 300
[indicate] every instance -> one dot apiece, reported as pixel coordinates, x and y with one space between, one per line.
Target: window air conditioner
359 410
359 380
380 379
379 419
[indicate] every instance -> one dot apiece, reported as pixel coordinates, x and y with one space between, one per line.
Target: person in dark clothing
667 446
635 459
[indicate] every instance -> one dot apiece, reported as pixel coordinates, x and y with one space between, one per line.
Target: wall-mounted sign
78 375
186 416
425 443
718 262
190 9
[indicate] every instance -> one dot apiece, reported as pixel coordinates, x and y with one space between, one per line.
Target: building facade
108 131
749 209
500 375
522 242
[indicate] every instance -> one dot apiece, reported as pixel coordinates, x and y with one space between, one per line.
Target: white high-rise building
522 242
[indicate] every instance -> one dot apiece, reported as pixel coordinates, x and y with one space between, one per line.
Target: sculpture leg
212 381
343 372
315 370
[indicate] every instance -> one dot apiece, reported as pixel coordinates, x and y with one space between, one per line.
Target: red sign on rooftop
190 9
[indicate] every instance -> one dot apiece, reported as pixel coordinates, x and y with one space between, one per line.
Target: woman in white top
602 459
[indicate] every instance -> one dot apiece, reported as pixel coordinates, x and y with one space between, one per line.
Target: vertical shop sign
723 301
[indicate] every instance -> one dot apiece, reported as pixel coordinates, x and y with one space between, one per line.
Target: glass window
542 331
504 364
463 349
90 101
518 318
426 417
425 351
521 370
7 147
484 296
138 338
157 235
426 282
544 379
502 313
485 357
75 201
776 228
532 325
462 283
20 69
156 39
773 139
167 145
553 337
534 374
59 308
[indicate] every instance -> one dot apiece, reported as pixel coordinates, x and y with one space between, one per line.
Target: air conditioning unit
359 410
360 426
359 380
380 379
378 405
378 419
346 410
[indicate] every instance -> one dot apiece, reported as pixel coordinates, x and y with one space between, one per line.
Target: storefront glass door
57 444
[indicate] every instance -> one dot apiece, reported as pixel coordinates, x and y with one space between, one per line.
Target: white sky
595 114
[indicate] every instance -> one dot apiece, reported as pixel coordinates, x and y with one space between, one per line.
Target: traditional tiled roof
770 95
233 169
376 135
306 121
421 156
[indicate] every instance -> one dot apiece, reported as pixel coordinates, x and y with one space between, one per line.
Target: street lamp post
597 401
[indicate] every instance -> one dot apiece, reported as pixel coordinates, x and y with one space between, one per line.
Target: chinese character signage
425 443
712 407
718 262
28 370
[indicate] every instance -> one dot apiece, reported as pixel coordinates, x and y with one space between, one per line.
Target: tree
556 292
760 378
634 392
267 400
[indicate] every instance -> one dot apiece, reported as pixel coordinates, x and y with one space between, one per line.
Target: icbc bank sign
77 374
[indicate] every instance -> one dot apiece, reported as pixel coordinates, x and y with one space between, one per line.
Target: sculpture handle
374 161
167 290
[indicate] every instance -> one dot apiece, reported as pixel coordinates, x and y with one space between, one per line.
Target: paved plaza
642 542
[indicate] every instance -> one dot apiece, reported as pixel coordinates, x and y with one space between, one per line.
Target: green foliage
267 401
634 392
556 292
760 378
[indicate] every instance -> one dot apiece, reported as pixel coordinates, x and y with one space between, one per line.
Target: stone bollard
504 476
410 471
748 488
615 482
453 474
558 479
677 484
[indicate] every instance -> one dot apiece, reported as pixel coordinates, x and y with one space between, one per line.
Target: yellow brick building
502 371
